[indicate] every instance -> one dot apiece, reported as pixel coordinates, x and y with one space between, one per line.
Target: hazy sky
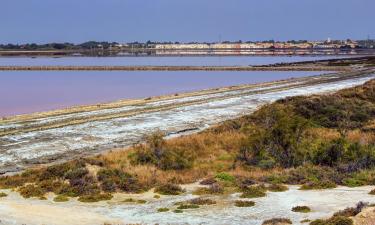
183 20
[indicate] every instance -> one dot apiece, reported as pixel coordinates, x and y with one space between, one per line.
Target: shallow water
157 60
33 91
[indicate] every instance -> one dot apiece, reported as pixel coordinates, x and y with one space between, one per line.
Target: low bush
169 189
208 181
129 200
188 206
141 201
178 211
95 197
157 196
2 195
202 201
336 220
253 192
301 209
163 209
277 221
225 177
61 198
158 153
214 189
31 190
277 188
352 211
115 179
240 203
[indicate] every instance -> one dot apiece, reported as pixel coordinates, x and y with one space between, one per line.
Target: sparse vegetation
277 188
277 221
163 209
254 192
61 198
240 203
188 206
318 141
95 197
301 209
169 189
336 220
2 195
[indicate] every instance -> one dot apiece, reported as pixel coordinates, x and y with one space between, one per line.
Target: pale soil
366 217
16 210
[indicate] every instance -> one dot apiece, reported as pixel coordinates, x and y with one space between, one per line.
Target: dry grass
213 152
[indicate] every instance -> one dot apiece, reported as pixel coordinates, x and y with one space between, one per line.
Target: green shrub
129 200
157 153
301 209
202 201
61 198
31 190
225 177
277 188
317 185
276 221
239 203
157 196
169 189
178 211
113 179
95 197
163 209
254 192
2 195
141 201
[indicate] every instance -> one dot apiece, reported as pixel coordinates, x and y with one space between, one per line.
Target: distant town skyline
40 21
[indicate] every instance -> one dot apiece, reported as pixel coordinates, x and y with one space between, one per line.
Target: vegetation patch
169 189
225 177
163 209
253 192
95 198
202 201
277 221
188 206
277 188
2 195
214 189
178 211
240 203
336 220
31 190
301 209
61 198
129 200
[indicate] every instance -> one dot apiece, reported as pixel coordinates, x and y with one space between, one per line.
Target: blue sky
76 21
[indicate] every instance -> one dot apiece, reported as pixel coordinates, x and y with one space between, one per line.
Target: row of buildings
260 45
